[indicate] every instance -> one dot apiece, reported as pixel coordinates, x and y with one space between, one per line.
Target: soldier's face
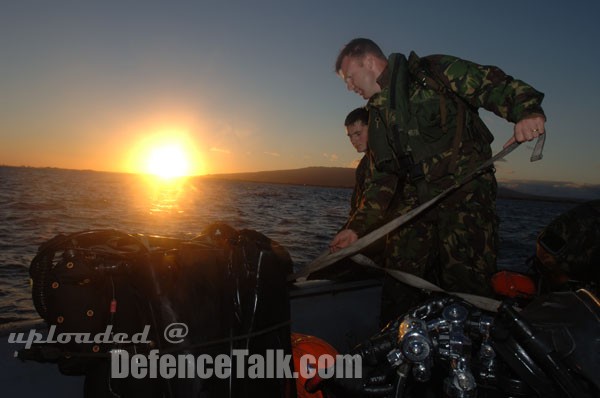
358 134
360 76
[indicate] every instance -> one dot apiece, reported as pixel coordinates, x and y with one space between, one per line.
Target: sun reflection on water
166 196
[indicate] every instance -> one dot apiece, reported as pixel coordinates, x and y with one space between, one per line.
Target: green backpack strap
423 75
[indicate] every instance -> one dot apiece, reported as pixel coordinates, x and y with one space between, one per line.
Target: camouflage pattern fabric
376 200
487 87
569 247
453 245
364 176
361 175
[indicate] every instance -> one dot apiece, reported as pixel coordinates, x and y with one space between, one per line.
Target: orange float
303 344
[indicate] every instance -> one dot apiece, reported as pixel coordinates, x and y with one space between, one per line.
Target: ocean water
37 204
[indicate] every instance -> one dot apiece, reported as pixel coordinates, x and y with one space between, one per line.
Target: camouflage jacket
375 200
569 246
411 123
362 174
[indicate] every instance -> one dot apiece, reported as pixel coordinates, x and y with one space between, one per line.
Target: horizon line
503 180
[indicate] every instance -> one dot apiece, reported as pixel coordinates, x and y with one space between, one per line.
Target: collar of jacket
384 78
394 89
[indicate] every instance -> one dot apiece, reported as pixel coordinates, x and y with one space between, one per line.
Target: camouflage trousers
453 245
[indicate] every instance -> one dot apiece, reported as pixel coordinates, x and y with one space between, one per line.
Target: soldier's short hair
358 114
358 48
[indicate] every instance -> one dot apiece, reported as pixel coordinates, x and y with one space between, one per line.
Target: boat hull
341 313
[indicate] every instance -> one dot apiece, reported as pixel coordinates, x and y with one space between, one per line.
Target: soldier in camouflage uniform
357 127
425 134
568 249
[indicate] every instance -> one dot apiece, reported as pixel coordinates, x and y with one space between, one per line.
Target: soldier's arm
362 171
488 87
379 190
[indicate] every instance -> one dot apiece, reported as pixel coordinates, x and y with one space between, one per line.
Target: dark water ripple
520 223
37 204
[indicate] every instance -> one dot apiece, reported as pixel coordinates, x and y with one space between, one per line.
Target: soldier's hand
343 239
528 129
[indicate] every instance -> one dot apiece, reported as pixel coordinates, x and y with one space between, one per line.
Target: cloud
275 154
221 134
510 185
570 185
557 189
220 150
503 170
332 157
354 163
226 130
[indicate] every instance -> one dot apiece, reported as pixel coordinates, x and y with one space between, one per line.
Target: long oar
327 258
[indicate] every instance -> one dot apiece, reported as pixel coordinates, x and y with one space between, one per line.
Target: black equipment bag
227 286
553 344
568 249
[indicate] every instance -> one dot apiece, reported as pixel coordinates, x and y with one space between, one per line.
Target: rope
326 259
481 302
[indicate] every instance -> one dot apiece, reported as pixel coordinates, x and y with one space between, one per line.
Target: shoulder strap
423 74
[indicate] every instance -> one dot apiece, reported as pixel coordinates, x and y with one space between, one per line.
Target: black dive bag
226 287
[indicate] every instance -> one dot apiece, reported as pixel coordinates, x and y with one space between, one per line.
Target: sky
250 85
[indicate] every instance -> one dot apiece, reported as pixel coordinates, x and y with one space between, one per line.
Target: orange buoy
303 344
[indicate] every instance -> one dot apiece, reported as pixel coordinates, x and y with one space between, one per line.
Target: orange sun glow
167 155
168 161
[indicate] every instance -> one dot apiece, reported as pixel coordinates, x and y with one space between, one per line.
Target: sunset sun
166 154
168 161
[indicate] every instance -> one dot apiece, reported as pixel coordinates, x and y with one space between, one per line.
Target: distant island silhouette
343 177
